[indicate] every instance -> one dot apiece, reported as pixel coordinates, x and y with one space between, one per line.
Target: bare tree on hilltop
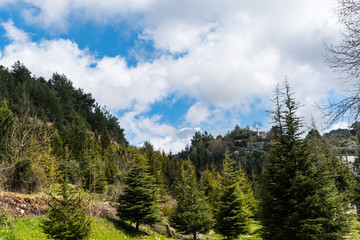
344 58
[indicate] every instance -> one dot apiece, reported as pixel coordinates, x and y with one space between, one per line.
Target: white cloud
339 125
54 15
111 81
13 33
197 114
161 135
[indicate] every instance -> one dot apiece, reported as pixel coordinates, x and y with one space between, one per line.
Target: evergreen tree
67 217
139 202
299 197
6 124
236 202
330 160
210 184
192 213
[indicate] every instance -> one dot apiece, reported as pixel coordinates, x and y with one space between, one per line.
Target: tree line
296 187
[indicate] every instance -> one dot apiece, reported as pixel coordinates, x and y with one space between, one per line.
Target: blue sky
169 68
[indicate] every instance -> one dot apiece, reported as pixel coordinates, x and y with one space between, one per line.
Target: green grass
20 228
102 229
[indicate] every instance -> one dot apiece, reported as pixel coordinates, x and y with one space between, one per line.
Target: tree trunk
137 226
194 235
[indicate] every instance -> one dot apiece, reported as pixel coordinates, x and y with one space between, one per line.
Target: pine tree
66 218
236 202
299 197
210 184
329 160
139 202
192 213
6 124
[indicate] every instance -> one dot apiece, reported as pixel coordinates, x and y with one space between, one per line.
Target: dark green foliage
66 218
68 115
236 202
205 152
55 100
139 201
71 114
331 162
192 213
210 184
299 197
6 124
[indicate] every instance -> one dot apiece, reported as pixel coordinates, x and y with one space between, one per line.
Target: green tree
6 124
192 213
236 202
210 184
139 202
66 218
299 197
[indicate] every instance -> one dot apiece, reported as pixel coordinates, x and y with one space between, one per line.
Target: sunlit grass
102 229
21 228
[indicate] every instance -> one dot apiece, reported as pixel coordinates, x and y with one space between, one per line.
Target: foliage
55 100
66 218
192 213
7 121
236 202
139 202
299 198
210 184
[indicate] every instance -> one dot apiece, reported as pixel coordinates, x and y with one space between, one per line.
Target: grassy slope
29 229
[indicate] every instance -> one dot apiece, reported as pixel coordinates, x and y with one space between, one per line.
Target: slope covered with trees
49 129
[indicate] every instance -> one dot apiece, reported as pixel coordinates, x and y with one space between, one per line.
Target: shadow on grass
125 227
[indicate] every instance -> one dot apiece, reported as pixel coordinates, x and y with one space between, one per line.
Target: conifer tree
192 213
299 197
66 218
210 184
236 202
139 202
6 123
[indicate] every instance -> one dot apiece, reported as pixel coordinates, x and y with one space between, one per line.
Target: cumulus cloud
111 81
197 114
225 54
163 136
339 125
13 33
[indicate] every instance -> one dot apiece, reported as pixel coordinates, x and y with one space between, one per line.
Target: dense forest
297 187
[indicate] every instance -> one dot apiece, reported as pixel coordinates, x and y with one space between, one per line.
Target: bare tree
344 58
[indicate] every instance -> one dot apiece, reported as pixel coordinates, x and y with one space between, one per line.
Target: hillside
56 101
52 135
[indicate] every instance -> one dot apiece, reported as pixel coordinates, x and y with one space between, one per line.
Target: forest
56 140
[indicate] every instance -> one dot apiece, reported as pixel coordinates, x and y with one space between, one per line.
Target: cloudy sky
167 68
